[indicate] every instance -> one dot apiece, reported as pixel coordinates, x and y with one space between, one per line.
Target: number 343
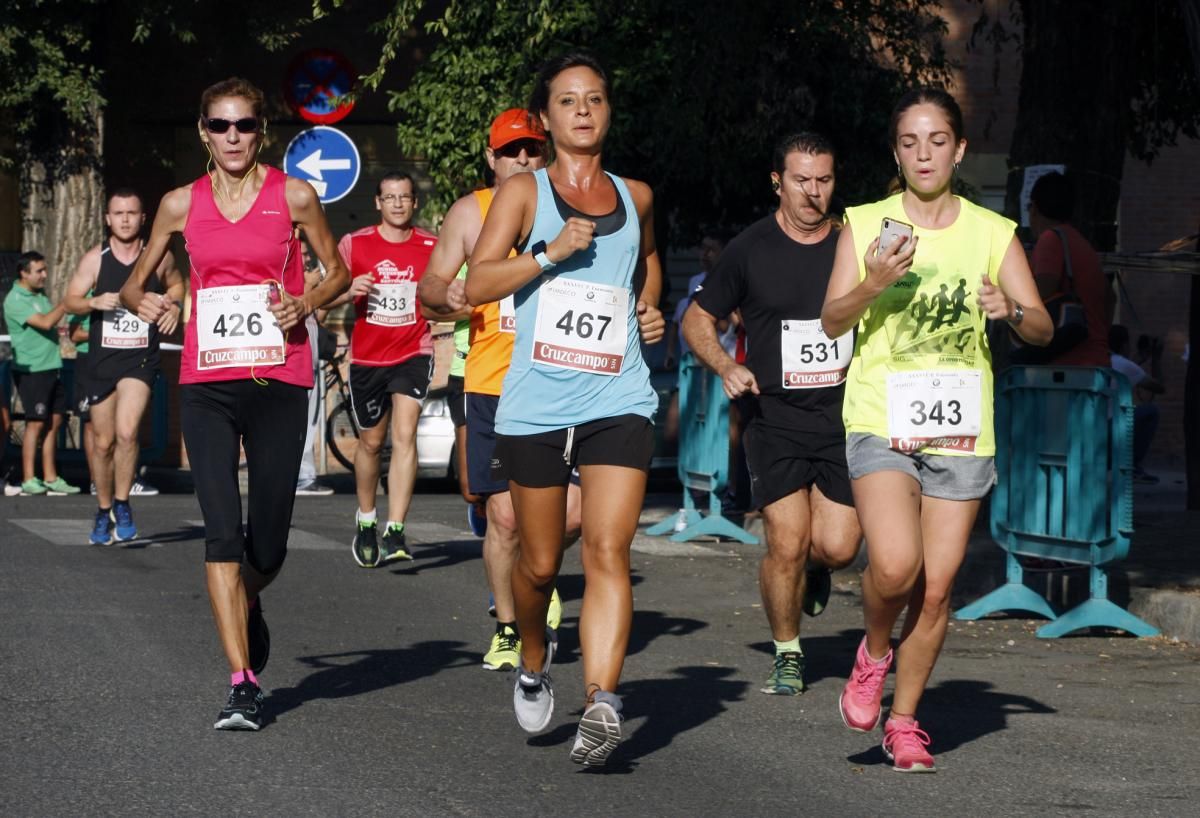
949 413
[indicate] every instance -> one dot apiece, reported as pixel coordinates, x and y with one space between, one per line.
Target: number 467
584 324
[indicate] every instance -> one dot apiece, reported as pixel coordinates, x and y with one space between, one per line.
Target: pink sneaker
904 744
859 702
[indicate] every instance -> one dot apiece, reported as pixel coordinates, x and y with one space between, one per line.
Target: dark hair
232 87
1118 335
1054 196
800 142
395 176
25 260
124 193
927 96
539 100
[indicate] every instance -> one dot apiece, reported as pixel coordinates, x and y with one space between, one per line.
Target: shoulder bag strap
1066 259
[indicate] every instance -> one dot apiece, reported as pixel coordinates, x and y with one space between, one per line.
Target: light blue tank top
539 397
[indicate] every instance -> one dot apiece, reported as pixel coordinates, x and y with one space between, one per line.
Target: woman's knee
606 555
893 579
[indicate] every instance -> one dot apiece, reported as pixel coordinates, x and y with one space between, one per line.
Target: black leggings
270 422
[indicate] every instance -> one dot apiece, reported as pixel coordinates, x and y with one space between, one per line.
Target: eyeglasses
215 125
532 147
403 198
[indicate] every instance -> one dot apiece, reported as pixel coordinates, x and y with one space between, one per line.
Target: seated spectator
1145 387
1051 203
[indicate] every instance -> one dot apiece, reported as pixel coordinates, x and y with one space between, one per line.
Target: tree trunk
63 206
1074 106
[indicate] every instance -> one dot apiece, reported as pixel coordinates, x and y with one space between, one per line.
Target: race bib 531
810 358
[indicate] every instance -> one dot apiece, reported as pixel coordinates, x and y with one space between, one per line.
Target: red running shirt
389 328
259 247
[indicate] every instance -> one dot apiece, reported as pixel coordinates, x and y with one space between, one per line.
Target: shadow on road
184 533
647 626
432 556
342 675
959 711
670 707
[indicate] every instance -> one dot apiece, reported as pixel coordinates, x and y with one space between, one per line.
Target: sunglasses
532 147
215 125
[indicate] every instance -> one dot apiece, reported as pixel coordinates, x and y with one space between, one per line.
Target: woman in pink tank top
246 364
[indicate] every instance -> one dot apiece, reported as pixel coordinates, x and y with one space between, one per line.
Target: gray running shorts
945 476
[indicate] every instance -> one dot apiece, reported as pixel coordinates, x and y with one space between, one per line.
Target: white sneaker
599 730
533 700
11 489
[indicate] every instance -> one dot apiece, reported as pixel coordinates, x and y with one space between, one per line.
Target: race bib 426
235 328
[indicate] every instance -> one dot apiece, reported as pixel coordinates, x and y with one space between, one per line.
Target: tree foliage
701 91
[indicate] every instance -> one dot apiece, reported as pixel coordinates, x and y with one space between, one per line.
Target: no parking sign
316 80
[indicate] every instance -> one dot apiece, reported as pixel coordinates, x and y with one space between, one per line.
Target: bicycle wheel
341 434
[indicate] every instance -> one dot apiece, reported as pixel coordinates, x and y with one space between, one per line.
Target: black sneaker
365 548
259 636
243 710
393 546
818 587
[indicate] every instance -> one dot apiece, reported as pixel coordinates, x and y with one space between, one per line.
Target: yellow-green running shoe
787 677
505 650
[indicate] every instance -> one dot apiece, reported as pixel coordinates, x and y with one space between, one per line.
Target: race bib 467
581 326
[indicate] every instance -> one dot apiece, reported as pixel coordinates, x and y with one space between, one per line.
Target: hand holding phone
892 231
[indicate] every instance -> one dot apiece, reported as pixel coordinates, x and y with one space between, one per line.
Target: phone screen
890 231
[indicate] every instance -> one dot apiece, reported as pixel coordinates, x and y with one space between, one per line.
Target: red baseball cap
514 124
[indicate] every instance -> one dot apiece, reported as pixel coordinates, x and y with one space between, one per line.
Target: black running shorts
456 401
546 459
370 387
783 461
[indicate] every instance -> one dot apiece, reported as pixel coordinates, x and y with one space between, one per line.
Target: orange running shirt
491 348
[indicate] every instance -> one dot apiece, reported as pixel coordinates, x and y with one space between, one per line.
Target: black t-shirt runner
779 285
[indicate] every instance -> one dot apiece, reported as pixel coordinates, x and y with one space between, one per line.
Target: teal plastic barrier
703 456
1064 492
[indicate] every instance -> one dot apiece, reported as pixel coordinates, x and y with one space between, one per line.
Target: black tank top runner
606 225
110 365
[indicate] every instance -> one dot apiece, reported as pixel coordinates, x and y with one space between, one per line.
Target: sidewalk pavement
1159 581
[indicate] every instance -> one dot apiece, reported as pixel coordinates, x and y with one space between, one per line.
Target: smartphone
891 231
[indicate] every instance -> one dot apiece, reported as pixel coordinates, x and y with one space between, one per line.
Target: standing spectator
1058 244
1145 387
33 327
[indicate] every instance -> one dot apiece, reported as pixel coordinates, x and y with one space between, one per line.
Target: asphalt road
111 677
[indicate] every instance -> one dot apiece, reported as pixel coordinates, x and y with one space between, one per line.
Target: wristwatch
539 255
1018 314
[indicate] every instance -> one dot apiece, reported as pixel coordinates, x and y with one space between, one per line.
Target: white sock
361 517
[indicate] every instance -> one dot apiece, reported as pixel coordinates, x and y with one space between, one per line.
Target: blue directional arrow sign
325 158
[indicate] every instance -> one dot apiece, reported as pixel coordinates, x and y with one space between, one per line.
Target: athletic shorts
547 459
80 388
481 444
784 461
456 401
371 385
945 476
42 394
99 389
